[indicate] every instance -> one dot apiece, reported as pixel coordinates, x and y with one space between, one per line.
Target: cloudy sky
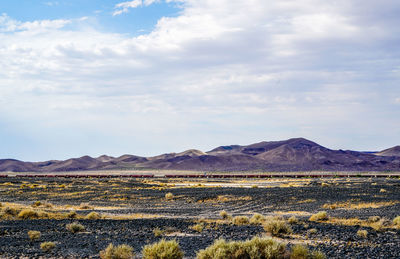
147 77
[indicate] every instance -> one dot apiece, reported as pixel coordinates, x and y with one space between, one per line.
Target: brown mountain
296 154
394 151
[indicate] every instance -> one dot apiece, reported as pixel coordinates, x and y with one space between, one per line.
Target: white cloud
7 24
125 6
225 69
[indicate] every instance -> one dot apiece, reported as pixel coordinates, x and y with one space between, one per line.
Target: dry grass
349 205
293 220
396 221
163 250
362 233
276 227
241 220
47 246
226 198
198 227
93 215
169 196
257 218
302 252
75 227
320 216
28 214
34 235
117 252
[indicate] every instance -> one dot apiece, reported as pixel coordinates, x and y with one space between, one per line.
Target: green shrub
34 235
28 214
277 227
75 227
163 250
257 218
93 215
118 252
322 215
255 248
293 220
302 252
362 233
241 220
47 246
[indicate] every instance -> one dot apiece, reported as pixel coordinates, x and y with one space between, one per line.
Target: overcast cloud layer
221 72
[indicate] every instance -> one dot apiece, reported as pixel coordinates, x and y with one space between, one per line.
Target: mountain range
297 154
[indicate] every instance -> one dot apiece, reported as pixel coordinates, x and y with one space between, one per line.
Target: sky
146 77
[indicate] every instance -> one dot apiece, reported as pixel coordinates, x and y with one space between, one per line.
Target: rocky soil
147 197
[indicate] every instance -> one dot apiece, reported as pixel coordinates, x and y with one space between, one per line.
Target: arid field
340 217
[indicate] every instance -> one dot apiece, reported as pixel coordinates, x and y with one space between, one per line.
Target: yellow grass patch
350 205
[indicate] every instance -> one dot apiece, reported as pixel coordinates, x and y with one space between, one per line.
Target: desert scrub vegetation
28 214
47 246
75 227
158 232
362 233
396 221
169 196
117 252
257 218
34 235
93 215
320 216
302 252
71 214
240 220
257 247
198 227
276 226
293 220
163 250
85 206
224 215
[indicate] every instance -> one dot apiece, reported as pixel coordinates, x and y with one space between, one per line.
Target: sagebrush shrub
320 216
93 215
255 248
169 196
241 220
34 235
163 250
396 221
277 227
362 233
117 252
47 246
75 227
257 218
28 214
293 220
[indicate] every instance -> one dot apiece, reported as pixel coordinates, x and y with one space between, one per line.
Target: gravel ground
283 197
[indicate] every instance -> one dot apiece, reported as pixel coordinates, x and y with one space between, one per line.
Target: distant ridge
296 154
